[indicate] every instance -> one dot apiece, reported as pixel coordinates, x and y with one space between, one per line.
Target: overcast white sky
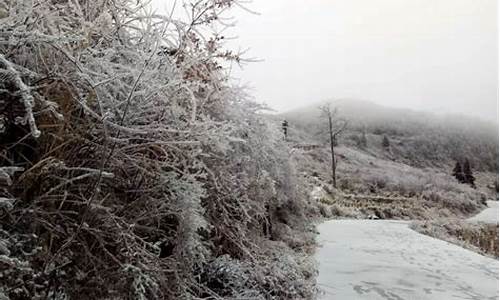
438 55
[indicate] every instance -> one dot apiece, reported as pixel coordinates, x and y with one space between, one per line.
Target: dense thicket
130 168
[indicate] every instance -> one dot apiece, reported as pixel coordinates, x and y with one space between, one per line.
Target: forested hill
417 138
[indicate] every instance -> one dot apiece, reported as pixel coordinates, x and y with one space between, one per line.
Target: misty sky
437 55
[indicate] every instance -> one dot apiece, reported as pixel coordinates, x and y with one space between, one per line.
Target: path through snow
489 215
371 259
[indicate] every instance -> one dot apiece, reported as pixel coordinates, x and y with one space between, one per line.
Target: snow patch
367 259
489 215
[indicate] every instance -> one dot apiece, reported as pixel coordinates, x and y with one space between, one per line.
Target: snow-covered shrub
343 212
127 152
282 276
325 210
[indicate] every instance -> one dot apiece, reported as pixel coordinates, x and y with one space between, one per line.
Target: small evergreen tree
458 173
385 142
468 177
284 126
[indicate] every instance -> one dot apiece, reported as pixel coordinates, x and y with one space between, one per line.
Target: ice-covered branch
25 96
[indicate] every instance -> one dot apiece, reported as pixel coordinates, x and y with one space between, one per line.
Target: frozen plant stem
24 93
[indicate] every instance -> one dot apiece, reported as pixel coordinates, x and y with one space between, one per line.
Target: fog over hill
367 111
417 138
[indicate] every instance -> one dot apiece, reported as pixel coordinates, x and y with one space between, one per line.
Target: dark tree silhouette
468 177
385 142
458 173
284 126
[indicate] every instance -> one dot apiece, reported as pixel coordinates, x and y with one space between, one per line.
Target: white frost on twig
6 203
25 95
7 172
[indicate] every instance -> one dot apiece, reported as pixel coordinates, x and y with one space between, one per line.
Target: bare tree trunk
332 150
335 127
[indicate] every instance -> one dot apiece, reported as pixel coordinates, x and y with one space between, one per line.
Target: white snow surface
370 259
489 215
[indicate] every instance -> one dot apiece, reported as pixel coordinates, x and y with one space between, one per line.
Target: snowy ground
370 259
489 215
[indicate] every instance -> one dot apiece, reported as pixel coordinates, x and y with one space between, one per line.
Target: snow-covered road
489 215
372 259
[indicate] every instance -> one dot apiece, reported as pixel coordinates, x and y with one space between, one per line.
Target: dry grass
479 237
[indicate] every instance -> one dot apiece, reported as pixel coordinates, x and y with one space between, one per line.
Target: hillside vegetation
409 176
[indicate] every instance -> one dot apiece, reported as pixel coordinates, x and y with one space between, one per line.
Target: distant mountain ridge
357 108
